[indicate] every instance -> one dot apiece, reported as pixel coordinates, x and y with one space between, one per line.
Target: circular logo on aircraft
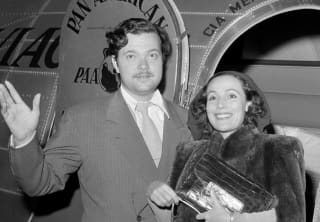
85 73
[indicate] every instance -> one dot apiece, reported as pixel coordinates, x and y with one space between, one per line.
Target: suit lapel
125 135
171 138
169 135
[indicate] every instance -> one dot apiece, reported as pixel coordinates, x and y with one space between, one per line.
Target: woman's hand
162 194
216 214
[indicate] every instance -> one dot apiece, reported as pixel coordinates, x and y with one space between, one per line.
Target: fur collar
274 161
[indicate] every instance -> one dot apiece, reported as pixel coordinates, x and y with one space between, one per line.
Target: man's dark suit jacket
101 141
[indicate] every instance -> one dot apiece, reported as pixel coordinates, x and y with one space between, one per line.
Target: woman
227 114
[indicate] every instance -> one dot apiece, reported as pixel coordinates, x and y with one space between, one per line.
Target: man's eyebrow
129 51
154 50
211 91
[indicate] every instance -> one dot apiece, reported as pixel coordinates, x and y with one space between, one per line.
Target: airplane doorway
291 38
282 54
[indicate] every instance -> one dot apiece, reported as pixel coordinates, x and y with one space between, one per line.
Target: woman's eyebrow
231 89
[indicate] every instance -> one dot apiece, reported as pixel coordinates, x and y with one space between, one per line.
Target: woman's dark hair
117 38
257 111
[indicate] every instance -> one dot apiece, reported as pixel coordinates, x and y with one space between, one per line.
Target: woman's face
226 104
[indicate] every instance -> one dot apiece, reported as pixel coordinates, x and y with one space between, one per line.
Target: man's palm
21 120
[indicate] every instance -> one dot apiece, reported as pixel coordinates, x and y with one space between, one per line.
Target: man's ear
249 103
115 64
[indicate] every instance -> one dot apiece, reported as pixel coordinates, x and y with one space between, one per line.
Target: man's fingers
162 194
166 196
201 216
173 196
36 103
2 99
6 97
15 95
176 198
162 201
3 103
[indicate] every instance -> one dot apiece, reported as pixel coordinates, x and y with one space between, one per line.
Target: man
103 140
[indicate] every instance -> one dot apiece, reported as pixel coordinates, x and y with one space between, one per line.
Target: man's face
226 104
140 64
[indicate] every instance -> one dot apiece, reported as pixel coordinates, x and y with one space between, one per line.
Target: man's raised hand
21 120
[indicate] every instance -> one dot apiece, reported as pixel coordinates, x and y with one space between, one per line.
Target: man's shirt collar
156 100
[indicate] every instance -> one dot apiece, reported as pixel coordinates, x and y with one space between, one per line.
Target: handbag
205 175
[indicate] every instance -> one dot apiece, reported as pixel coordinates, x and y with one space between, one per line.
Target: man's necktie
150 132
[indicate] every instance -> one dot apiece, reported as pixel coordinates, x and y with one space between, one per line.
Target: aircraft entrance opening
282 54
286 39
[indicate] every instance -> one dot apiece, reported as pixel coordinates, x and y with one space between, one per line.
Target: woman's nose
221 103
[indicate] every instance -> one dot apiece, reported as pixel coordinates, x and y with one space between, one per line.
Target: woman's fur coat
274 161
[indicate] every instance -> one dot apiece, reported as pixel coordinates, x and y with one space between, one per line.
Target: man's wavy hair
257 111
117 38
